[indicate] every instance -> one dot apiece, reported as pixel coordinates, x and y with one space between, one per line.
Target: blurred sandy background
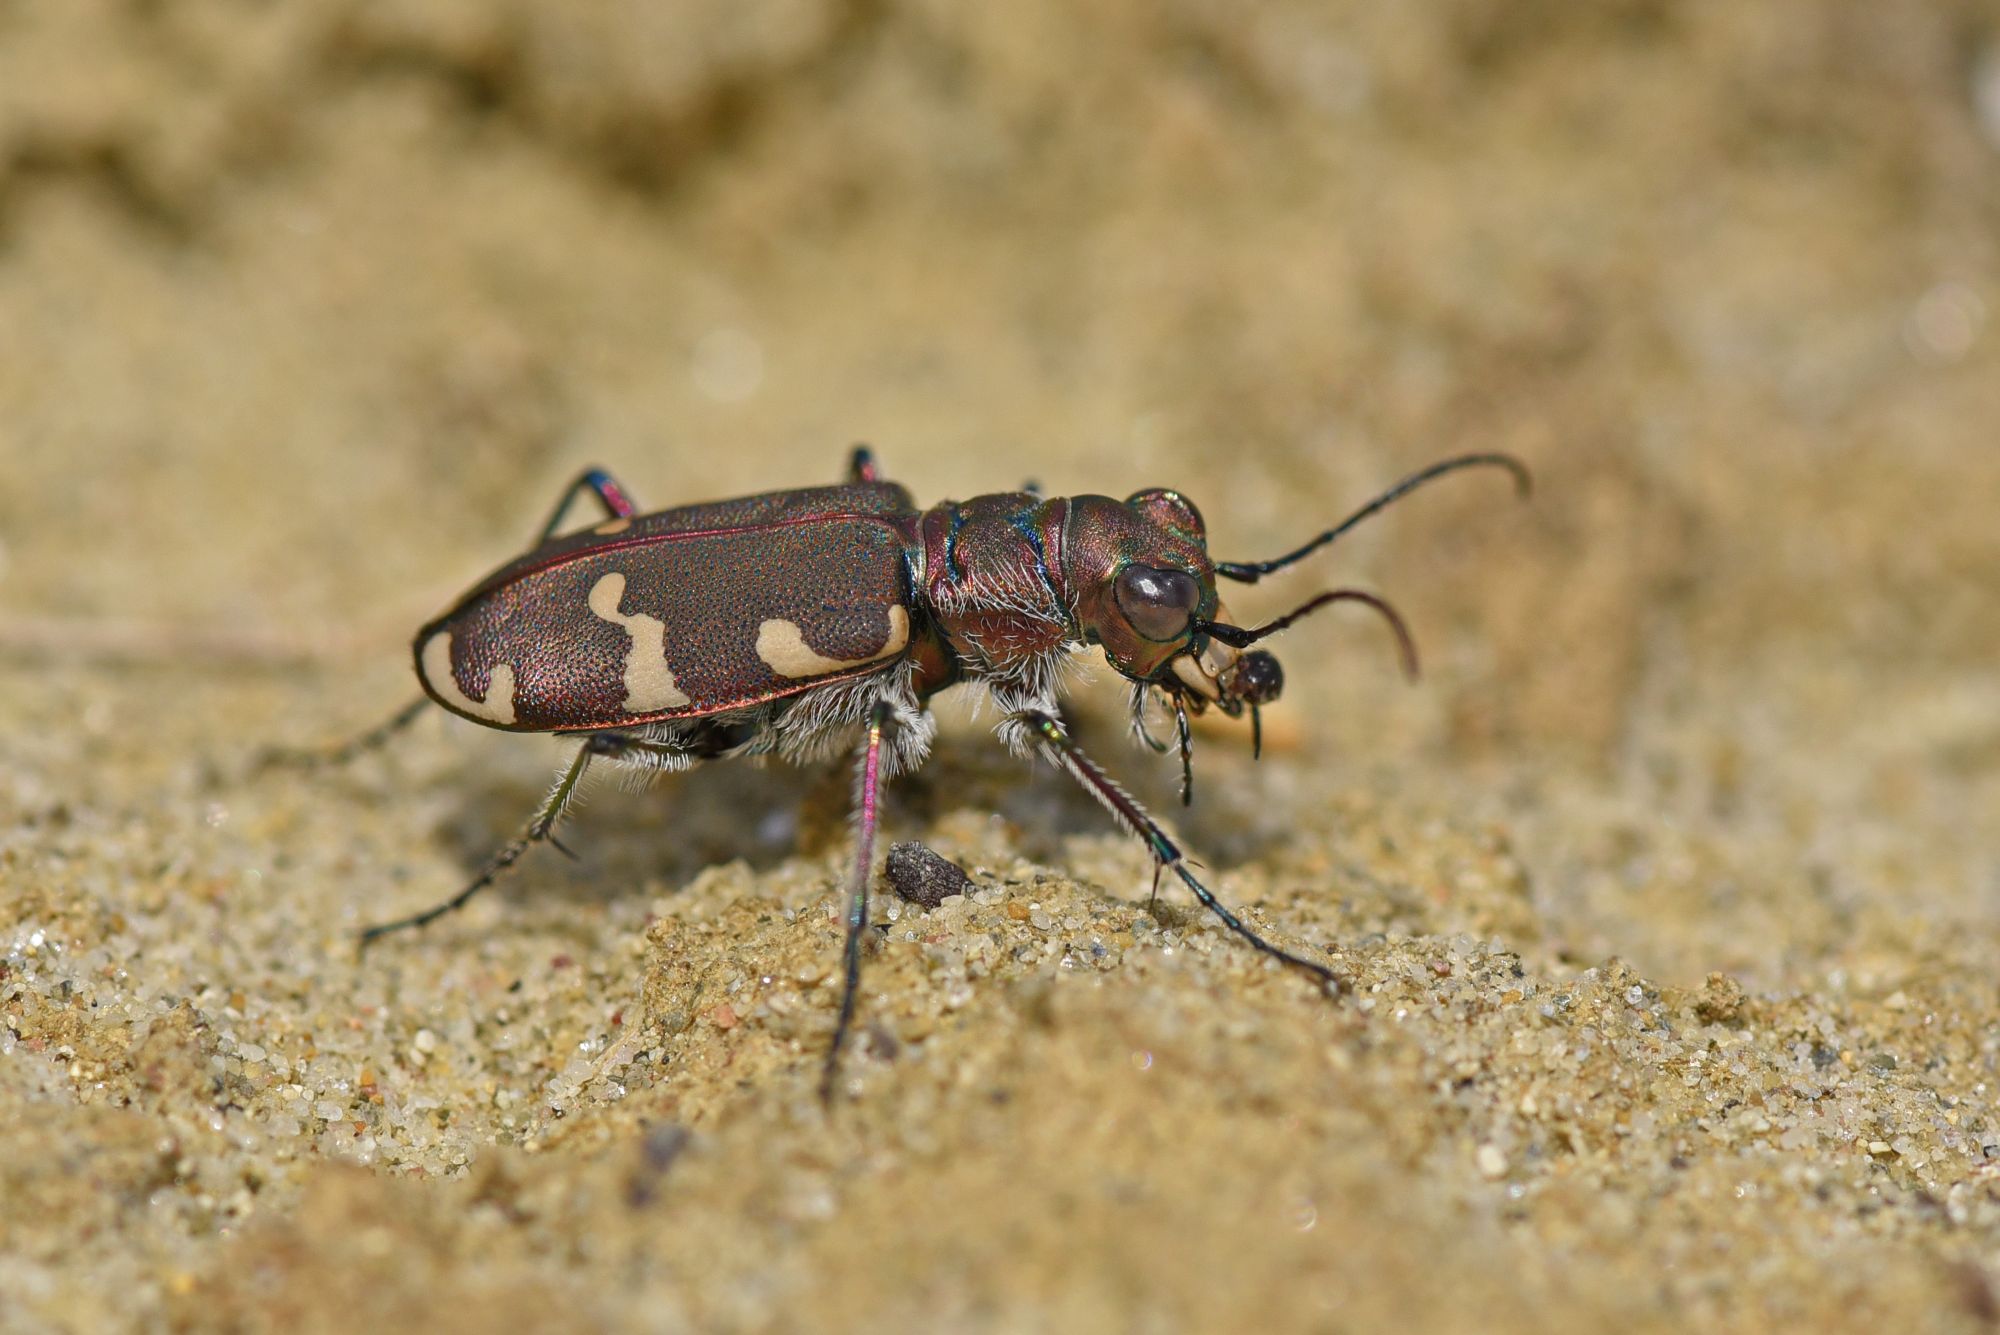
1669 895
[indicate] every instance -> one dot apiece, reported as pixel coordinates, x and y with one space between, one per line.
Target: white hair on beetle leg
1142 695
569 802
828 720
1108 792
643 768
1034 684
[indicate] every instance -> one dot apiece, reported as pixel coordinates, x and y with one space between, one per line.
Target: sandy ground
1669 896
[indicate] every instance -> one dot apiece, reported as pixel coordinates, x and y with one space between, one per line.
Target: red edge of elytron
527 565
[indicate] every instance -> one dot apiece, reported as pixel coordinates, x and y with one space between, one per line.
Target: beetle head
1143 587
1145 592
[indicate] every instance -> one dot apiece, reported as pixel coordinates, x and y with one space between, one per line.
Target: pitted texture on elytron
649 677
494 704
772 507
836 579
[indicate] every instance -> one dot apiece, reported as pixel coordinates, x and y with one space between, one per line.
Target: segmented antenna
1249 572
1241 638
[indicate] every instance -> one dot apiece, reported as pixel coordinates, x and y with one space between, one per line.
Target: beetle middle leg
861 465
1047 733
610 493
867 816
618 747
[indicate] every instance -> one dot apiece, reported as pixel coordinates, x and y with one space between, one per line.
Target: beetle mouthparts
1191 675
1259 680
1207 673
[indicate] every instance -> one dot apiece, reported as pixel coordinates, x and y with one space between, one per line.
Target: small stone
922 877
1491 1162
1018 911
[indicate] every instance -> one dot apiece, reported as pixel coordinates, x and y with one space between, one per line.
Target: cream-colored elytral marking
499 702
649 682
783 647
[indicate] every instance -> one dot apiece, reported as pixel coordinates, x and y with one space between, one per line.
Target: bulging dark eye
1158 603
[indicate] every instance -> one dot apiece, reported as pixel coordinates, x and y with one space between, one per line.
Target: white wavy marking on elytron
498 705
649 682
783 647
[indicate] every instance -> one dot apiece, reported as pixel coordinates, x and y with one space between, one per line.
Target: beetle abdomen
676 625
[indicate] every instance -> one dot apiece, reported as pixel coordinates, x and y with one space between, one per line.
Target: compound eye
1158 603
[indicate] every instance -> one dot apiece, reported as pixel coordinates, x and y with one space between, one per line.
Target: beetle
810 622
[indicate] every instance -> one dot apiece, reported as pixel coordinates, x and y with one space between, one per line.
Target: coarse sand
1669 897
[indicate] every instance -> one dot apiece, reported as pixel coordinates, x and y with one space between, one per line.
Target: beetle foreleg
867 816
617 502
1185 737
1142 695
1054 742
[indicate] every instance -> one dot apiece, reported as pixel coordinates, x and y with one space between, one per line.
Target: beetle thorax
992 580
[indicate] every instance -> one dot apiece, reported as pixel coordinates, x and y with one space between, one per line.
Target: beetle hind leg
617 747
312 758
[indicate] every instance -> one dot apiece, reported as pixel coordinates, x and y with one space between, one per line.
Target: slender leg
867 815
312 758
1054 740
1185 736
541 829
1142 696
617 502
861 465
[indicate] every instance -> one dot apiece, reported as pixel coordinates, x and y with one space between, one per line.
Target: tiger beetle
819 620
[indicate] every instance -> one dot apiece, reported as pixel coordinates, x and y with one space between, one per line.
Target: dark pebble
922 877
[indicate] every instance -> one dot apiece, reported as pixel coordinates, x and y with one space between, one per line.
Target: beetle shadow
667 832
625 834
1044 808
